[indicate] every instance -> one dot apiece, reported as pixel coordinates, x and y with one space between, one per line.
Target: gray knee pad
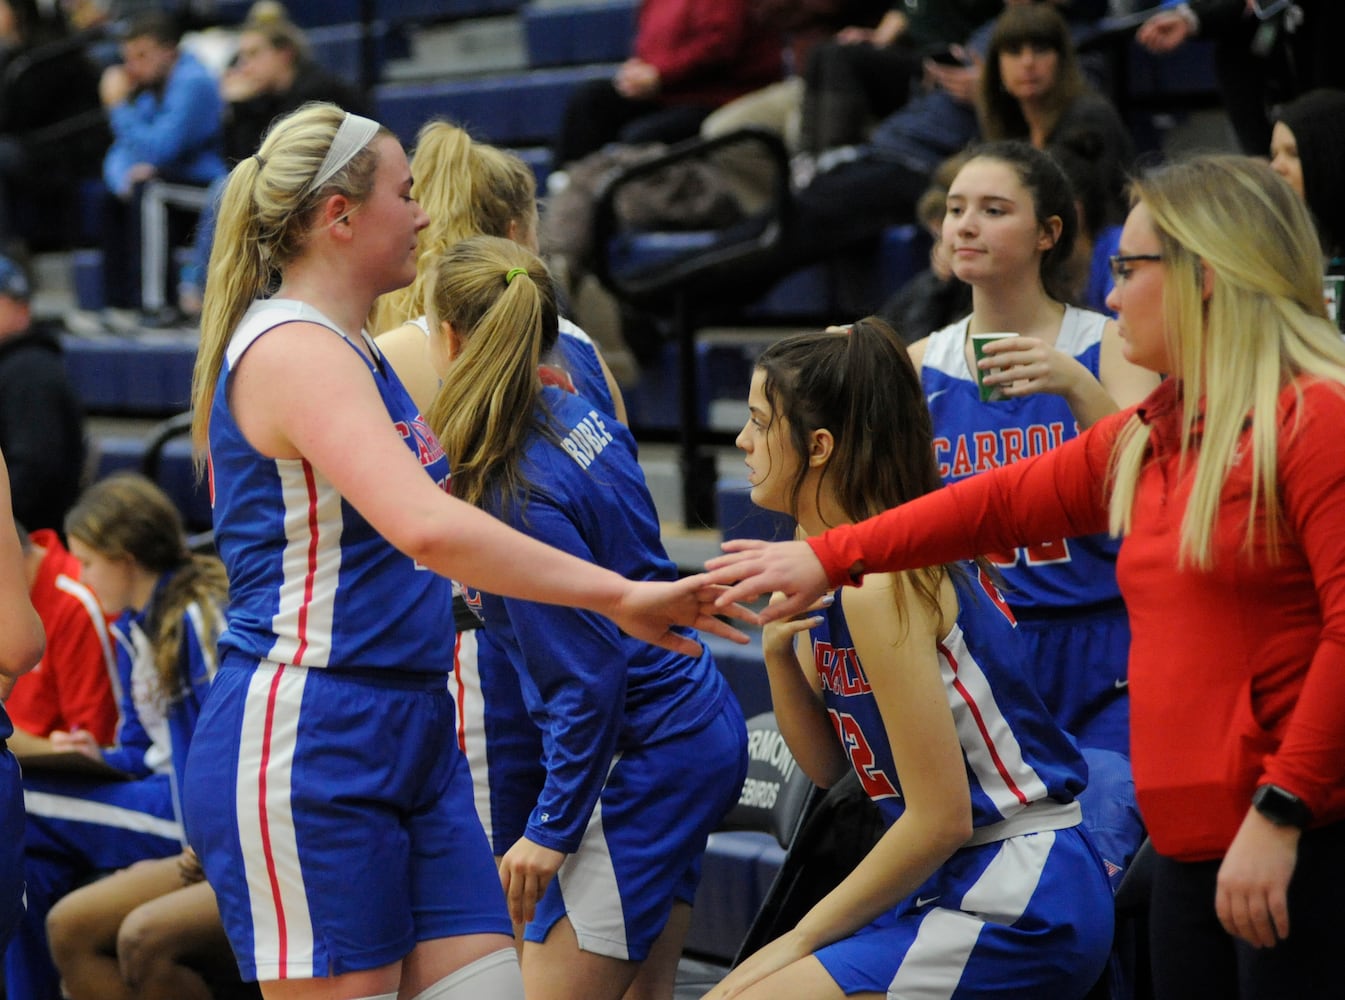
496 976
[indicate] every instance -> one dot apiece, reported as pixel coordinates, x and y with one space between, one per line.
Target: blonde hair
263 224
1264 324
468 189
126 516
500 300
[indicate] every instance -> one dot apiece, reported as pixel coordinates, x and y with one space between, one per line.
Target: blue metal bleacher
513 109
571 36
339 48
316 13
145 377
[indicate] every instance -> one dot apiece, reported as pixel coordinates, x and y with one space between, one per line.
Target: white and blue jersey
1020 765
971 436
1024 908
80 826
1063 590
325 768
618 716
310 580
580 355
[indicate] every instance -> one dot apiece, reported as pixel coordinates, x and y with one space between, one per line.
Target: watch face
1281 807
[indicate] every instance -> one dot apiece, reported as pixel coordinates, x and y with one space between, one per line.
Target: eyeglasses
1120 264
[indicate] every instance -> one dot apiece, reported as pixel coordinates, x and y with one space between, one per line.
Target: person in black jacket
1260 61
52 129
41 420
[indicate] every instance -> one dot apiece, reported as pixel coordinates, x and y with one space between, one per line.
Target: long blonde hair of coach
1263 325
264 218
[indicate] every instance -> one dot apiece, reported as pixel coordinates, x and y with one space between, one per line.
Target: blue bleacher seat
339 48
141 377
509 109
584 33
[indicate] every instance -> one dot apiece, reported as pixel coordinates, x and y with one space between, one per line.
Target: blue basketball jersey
971 436
580 355
1016 755
309 577
593 690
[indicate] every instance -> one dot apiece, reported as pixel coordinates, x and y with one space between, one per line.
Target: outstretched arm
1060 493
355 446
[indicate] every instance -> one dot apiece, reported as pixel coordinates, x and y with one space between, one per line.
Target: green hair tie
513 273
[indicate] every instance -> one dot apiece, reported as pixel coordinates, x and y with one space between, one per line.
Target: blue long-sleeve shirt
176 129
591 689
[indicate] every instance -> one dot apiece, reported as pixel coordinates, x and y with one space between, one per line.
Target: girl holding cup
1009 227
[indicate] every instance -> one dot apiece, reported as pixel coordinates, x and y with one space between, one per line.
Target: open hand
650 609
1025 366
753 568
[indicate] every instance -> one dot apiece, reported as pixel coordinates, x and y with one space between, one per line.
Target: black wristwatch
1280 807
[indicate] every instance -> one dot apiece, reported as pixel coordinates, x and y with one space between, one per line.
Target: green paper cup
978 342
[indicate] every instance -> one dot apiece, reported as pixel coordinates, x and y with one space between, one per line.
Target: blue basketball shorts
333 814
642 848
1030 916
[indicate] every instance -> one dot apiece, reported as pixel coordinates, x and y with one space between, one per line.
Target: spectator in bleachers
606 867
21 642
689 57
52 132
1031 87
1260 63
165 110
273 74
1307 149
41 419
859 191
1010 226
863 75
128 537
74 687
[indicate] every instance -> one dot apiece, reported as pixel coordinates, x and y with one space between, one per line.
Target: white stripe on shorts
282 926
934 964
592 896
68 807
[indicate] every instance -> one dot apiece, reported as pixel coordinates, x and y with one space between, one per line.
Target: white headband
354 134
